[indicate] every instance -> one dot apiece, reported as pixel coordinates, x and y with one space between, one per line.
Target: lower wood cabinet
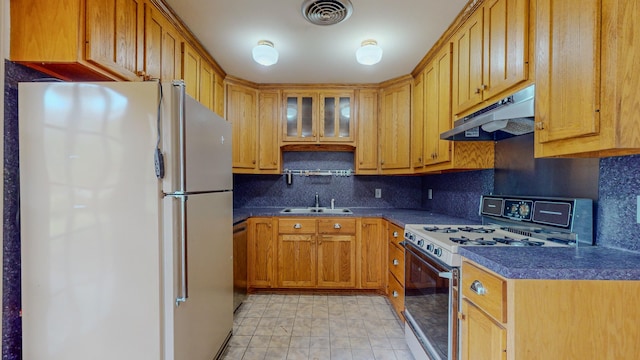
547 319
395 289
261 251
316 253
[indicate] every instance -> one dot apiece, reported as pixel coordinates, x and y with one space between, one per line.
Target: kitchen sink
316 210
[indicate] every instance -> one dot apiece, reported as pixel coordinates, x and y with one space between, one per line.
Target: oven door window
427 299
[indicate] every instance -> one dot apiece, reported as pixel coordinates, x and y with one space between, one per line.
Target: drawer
396 262
297 226
396 234
337 226
396 295
490 290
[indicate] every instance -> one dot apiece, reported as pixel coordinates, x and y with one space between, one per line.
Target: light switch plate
378 193
429 194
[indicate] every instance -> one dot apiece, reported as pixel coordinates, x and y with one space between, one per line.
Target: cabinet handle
540 125
396 262
337 226
419 159
382 162
253 162
478 288
297 226
395 234
394 294
483 87
477 91
461 316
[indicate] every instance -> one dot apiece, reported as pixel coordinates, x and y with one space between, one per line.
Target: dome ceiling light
264 53
369 53
326 12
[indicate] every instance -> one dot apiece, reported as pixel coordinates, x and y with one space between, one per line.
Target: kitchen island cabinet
587 78
505 318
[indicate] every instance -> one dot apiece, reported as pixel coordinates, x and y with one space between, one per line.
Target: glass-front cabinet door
336 122
318 116
300 117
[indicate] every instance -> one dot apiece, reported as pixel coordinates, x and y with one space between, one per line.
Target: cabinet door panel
567 69
468 63
296 260
367 148
241 112
269 114
482 338
506 44
336 261
260 253
112 35
395 128
373 253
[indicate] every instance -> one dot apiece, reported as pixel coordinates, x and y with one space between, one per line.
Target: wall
11 323
4 46
351 191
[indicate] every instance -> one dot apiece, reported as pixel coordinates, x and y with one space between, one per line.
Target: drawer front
396 262
297 226
396 295
486 290
396 234
337 226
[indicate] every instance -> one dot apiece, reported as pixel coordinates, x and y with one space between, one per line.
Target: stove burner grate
481 230
440 230
463 240
513 242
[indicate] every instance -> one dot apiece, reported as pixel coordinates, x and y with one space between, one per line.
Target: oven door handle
446 274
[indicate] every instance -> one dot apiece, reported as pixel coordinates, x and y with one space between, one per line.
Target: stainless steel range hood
508 117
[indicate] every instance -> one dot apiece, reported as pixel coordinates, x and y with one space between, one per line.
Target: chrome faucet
317 200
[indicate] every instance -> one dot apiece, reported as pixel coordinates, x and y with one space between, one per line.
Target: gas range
509 221
443 241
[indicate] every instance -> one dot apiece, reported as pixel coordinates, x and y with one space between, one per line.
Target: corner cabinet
546 319
395 126
318 117
587 78
490 52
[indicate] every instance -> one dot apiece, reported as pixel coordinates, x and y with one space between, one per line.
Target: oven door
431 302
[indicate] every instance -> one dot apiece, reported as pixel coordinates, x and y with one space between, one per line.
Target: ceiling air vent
326 12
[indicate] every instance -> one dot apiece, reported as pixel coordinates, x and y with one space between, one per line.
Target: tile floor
317 327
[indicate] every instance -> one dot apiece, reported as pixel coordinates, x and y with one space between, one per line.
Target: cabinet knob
253 162
396 262
539 125
483 87
382 162
461 317
395 234
419 159
394 294
477 91
297 226
337 226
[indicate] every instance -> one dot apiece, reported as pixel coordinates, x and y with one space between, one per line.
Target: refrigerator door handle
183 286
180 89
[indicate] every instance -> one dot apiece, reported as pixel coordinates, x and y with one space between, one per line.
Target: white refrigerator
126 223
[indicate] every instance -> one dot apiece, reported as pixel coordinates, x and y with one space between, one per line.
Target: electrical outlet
638 211
378 193
429 194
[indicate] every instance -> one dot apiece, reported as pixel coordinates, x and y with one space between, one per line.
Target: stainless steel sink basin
316 210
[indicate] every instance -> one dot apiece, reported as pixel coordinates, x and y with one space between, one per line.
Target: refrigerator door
196 145
90 205
203 321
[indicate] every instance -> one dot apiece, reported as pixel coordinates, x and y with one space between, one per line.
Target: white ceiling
229 29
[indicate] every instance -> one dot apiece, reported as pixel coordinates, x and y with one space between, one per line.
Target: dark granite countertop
399 217
583 263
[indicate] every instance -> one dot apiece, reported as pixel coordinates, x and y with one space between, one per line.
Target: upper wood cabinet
268 116
191 61
587 78
162 46
418 119
318 117
242 102
79 39
490 53
395 126
367 129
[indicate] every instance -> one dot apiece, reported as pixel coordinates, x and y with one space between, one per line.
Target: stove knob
437 252
420 242
430 248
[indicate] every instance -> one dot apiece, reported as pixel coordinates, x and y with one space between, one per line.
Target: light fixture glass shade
264 53
369 53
